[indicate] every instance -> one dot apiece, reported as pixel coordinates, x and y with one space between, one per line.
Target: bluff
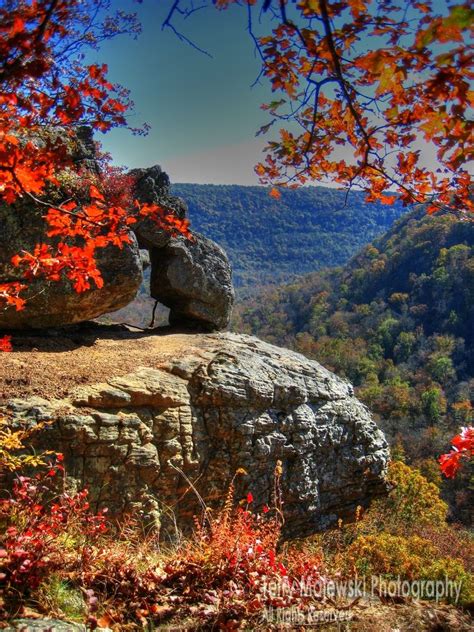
159 424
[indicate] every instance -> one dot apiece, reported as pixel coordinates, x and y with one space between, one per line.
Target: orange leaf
5 344
95 193
275 193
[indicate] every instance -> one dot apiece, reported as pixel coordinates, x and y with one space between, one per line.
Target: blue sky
202 110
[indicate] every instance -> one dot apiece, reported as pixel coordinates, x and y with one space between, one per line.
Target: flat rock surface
52 363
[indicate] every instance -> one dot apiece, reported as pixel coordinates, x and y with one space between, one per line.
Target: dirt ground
49 364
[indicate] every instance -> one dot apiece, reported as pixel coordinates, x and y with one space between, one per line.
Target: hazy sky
202 110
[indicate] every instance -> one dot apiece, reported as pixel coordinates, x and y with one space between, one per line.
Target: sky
202 110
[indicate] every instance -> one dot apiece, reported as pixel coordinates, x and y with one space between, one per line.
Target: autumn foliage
463 449
60 557
63 557
32 547
361 86
45 91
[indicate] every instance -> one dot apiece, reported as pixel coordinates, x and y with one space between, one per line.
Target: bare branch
167 23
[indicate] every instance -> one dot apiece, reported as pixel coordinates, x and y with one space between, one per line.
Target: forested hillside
271 241
398 321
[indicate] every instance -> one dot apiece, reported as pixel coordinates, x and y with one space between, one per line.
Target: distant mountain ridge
273 241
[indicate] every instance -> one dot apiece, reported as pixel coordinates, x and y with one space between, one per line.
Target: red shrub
35 529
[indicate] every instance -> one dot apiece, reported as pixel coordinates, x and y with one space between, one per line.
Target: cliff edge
155 423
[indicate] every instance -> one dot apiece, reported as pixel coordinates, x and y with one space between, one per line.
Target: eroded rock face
194 279
191 277
227 401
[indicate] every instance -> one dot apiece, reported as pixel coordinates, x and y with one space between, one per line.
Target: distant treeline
272 241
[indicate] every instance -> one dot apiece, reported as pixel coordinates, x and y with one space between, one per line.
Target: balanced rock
194 279
195 283
174 417
191 277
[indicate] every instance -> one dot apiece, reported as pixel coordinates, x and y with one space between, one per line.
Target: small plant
13 447
413 503
62 599
35 527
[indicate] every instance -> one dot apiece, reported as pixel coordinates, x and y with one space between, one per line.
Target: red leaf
96 194
5 344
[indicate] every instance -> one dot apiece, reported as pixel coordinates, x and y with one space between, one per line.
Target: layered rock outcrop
196 409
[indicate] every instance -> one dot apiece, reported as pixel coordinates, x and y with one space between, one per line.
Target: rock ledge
215 403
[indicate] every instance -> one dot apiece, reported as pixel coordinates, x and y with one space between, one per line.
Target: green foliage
414 502
407 558
433 404
397 322
62 597
272 241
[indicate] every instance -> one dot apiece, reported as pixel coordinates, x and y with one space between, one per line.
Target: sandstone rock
153 187
55 303
212 404
194 279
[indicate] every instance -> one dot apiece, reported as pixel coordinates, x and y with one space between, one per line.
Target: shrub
406 558
12 447
413 503
35 530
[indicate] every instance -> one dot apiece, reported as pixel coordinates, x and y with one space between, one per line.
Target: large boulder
194 279
51 304
174 417
56 303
